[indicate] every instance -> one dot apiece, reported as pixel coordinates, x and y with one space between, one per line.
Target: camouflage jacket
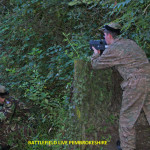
14 115
10 110
127 57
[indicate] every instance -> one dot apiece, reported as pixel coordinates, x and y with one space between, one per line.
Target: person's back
133 60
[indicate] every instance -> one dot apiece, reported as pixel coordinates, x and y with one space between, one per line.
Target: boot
118 145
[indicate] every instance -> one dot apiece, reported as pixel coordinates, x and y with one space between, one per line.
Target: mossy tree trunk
96 97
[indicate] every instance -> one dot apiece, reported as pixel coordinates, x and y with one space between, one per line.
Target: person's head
111 32
3 94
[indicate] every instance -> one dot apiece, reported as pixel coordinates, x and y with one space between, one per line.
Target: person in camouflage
9 121
131 62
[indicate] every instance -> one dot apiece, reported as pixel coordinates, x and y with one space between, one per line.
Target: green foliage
134 15
39 41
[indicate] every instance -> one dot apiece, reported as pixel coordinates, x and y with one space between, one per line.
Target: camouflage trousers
136 96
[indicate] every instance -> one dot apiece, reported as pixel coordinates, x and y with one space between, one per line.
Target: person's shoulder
123 40
8 106
11 100
127 41
124 44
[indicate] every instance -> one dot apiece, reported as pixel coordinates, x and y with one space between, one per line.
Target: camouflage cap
2 89
113 27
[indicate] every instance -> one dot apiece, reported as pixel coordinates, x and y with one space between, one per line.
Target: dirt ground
142 142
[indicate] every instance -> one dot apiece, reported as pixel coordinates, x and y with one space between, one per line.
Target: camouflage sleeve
110 57
15 110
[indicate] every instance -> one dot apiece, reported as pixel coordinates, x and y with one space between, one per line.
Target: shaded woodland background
39 42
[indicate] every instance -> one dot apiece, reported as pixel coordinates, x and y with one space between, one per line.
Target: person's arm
110 57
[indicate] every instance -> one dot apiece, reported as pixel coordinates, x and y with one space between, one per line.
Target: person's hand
95 50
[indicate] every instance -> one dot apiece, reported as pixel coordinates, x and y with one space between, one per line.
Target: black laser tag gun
98 44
